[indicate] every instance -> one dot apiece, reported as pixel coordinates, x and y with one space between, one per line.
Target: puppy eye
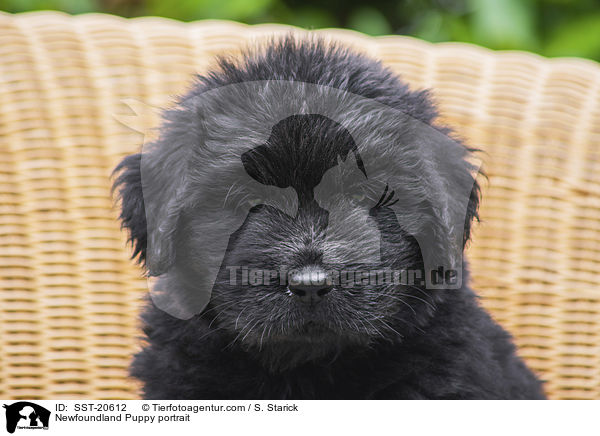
253 202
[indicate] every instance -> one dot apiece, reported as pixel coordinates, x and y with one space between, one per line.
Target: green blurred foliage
548 27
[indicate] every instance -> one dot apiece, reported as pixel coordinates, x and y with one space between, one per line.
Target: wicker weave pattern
69 295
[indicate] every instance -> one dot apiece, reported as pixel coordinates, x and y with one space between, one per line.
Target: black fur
383 342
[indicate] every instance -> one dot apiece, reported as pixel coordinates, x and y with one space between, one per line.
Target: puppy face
317 190
310 270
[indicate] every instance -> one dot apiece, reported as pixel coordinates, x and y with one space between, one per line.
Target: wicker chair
69 295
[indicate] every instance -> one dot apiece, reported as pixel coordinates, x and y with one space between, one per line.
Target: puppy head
319 192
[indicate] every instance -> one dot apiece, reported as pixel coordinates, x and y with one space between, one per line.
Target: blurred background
548 27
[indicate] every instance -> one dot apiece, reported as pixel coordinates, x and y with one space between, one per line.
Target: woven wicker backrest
69 295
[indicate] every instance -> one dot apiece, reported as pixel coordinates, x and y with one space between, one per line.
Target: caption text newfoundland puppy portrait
303 217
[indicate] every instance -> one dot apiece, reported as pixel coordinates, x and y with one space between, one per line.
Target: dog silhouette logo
26 415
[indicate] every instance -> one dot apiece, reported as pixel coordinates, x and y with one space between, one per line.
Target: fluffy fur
379 342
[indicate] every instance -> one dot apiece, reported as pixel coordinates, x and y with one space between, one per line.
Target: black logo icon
26 415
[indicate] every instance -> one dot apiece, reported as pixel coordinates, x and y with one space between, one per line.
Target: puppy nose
309 285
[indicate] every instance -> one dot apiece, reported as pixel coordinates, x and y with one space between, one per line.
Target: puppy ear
164 174
164 203
151 187
450 180
462 191
133 213
472 209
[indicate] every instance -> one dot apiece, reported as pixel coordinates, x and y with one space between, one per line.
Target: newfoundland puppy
303 217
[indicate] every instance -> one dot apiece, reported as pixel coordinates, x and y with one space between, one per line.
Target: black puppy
314 162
